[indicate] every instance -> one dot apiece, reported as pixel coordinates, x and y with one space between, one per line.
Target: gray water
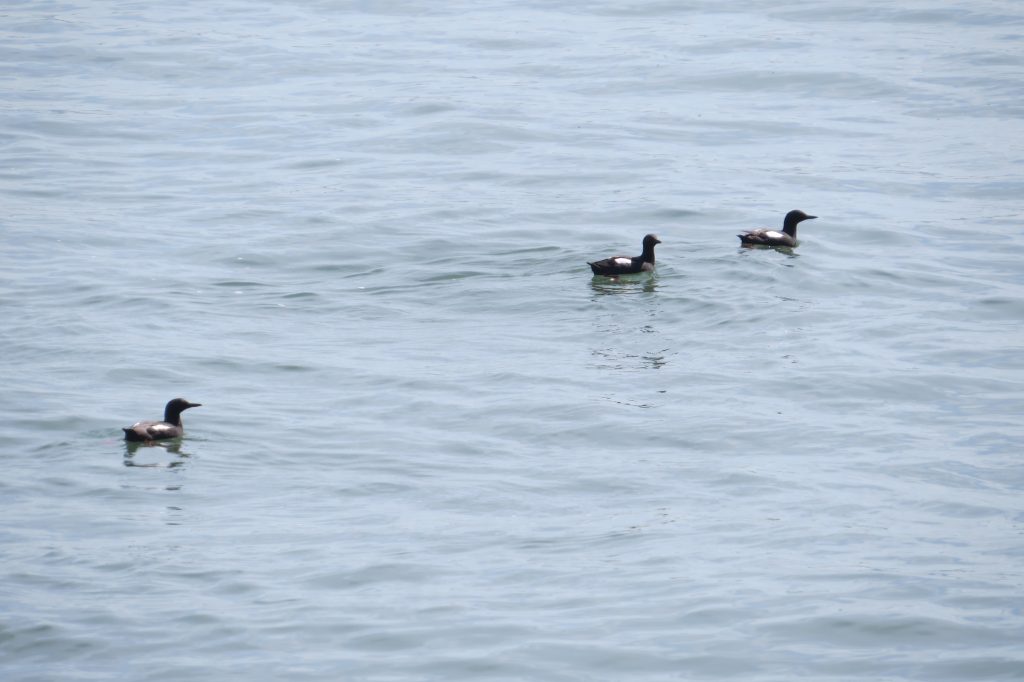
432 446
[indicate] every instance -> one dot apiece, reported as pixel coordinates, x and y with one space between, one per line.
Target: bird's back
143 431
617 265
766 238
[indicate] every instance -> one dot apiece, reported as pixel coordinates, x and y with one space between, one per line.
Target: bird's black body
625 265
773 237
170 427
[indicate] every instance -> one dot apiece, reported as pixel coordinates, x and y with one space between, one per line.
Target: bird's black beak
810 217
195 404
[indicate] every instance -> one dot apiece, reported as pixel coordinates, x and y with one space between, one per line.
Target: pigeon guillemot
624 265
170 427
773 237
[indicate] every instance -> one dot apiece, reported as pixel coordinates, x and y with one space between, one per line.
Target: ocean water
432 446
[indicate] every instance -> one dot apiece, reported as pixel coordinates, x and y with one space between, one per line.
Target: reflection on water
641 283
171 447
621 333
629 403
787 250
612 358
654 361
622 336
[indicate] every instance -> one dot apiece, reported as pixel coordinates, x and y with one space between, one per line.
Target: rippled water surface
431 445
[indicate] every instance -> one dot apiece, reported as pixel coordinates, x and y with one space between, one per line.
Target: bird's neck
172 417
648 254
789 227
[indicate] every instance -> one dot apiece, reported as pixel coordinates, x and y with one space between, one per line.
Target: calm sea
432 446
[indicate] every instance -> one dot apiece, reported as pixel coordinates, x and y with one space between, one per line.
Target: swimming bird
773 237
170 427
624 265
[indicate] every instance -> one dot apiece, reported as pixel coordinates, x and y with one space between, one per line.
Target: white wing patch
772 234
622 261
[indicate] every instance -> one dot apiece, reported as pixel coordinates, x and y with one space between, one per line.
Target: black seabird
170 427
773 237
624 265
